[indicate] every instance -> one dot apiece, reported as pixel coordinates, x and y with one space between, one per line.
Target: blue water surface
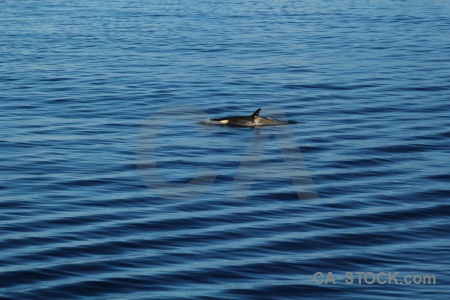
113 187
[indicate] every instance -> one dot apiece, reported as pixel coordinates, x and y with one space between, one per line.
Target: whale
251 121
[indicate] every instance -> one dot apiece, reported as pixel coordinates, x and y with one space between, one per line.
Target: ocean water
113 187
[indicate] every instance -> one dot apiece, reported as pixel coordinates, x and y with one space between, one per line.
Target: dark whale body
252 120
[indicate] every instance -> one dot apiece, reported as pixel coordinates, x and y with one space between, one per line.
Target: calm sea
112 187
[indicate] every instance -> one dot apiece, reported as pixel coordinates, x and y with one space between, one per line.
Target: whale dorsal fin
256 113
